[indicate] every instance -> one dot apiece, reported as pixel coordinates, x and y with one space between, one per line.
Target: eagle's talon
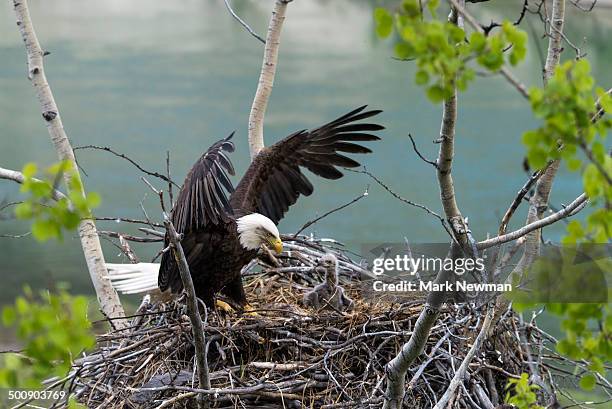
250 311
223 306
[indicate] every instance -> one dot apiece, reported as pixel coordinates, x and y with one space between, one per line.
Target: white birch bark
107 297
266 78
397 368
18 177
538 204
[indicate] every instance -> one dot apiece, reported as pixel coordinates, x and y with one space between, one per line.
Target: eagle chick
328 293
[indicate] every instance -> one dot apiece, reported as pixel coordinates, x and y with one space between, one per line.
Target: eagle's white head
256 229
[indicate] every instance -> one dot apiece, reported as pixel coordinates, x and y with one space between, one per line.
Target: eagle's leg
235 292
223 306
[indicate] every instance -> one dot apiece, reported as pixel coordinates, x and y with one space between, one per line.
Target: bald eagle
220 234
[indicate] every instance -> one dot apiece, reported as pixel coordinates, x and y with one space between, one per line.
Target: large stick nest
291 356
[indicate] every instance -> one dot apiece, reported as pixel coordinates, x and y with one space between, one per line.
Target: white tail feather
133 278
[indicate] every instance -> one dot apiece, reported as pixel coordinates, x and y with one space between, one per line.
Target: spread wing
201 210
274 181
203 199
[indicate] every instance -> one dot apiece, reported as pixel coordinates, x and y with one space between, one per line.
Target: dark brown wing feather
203 199
202 211
274 181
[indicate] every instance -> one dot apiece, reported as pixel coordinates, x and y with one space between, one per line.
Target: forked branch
504 71
570 210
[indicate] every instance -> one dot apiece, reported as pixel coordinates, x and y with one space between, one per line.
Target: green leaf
591 178
433 6
537 158
24 210
574 164
29 170
478 41
435 93
8 316
588 382
411 8
45 229
421 77
404 51
384 22
531 138
93 200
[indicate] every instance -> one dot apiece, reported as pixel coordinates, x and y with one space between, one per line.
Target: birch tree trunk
397 368
266 78
106 294
538 204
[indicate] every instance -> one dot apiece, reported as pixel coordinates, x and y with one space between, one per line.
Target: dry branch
503 226
242 22
266 78
574 207
504 71
461 372
192 309
107 297
334 210
132 161
401 198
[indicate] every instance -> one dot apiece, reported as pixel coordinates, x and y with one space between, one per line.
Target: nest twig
290 356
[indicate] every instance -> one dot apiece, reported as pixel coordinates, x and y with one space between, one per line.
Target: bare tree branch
587 9
334 210
569 210
460 373
197 327
132 161
266 78
487 29
129 237
107 296
518 200
18 177
170 191
423 158
15 236
504 71
242 22
129 220
402 199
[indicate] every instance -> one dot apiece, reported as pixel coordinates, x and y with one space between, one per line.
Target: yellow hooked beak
277 245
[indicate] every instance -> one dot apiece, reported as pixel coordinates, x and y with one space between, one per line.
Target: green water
149 76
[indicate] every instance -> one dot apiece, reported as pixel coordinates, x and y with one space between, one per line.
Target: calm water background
149 76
